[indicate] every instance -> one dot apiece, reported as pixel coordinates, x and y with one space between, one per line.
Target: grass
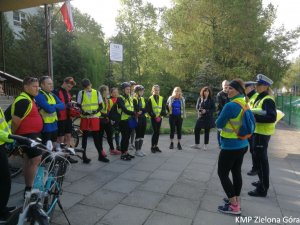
187 126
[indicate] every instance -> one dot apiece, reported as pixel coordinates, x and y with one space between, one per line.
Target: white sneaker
142 152
131 147
204 147
195 146
139 153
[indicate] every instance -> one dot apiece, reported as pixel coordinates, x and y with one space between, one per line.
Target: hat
70 80
138 88
264 80
125 85
249 83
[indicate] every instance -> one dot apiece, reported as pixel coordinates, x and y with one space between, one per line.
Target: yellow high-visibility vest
264 128
49 117
128 105
228 131
3 125
156 107
90 105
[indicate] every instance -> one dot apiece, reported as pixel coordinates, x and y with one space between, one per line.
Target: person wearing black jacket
156 110
125 104
222 99
205 107
265 116
140 106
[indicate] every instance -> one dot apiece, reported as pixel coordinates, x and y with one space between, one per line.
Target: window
19 18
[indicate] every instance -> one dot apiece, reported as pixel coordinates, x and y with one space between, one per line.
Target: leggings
96 138
175 123
156 130
197 133
125 132
5 181
107 127
231 161
141 128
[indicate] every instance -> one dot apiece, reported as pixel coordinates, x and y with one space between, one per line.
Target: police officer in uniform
265 116
252 95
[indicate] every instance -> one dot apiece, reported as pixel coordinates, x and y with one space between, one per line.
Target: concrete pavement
177 187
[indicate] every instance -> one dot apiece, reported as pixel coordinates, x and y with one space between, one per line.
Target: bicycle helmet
138 88
125 85
132 83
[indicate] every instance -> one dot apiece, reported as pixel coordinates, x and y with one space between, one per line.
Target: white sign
116 52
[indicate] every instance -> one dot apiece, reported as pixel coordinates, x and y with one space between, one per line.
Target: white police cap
263 79
249 83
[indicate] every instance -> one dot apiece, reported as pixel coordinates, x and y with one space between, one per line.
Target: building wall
15 18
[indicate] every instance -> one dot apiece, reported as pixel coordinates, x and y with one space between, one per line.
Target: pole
48 41
2 40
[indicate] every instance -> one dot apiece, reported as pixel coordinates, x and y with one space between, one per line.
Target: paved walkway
176 187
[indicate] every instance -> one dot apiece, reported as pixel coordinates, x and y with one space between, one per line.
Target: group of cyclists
40 111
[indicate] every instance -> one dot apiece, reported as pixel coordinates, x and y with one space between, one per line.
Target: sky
105 11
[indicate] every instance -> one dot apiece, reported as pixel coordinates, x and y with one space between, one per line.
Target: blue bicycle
40 202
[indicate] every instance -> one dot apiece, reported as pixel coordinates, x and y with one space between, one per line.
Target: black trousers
5 181
231 161
96 139
198 131
107 128
175 123
251 148
125 132
261 157
141 128
156 130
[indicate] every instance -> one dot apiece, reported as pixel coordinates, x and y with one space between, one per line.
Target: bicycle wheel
74 138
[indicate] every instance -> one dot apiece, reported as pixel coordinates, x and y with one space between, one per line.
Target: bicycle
40 202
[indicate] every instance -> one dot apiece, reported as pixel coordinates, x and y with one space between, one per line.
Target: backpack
247 123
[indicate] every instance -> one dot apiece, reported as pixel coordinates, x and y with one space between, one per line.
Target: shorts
52 136
90 124
64 127
32 152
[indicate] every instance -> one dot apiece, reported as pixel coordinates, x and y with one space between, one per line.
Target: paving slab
143 199
156 185
159 218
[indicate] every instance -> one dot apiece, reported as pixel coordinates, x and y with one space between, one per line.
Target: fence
290 105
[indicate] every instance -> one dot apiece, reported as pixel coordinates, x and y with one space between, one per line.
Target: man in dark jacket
222 99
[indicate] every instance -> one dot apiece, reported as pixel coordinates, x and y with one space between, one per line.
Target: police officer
252 95
265 116
5 184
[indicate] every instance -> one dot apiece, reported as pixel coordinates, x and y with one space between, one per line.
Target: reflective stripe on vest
3 125
156 107
264 128
48 117
128 105
252 100
90 105
227 131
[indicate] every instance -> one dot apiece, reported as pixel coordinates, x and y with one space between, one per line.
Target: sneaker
195 146
153 149
204 147
179 146
226 200
71 160
125 157
256 183
10 209
257 193
171 145
230 209
103 153
4 218
131 147
157 149
103 159
139 153
143 152
115 152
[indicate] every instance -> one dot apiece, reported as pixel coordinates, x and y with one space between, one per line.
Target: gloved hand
11 146
4 137
86 114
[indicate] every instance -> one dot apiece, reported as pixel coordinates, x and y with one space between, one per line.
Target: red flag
66 12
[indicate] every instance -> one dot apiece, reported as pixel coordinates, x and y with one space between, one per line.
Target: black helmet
132 82
125 85
138 88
